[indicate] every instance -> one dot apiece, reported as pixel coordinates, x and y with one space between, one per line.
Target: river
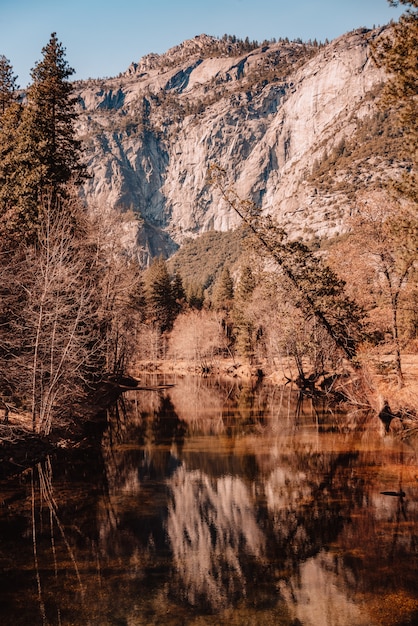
216 503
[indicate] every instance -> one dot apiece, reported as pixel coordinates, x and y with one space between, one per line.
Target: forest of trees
69 294
358 293
76 308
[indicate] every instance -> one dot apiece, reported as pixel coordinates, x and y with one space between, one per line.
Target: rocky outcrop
263 114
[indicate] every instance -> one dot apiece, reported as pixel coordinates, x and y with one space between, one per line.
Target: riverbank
20 447
375 385
382 380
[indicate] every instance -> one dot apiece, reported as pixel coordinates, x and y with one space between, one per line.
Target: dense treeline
69 295
251 310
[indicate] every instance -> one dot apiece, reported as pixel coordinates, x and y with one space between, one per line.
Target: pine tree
195 295
40 154
223 291
244 327
51 117
161 304
397 52
17 210
246 285
179 294
8 84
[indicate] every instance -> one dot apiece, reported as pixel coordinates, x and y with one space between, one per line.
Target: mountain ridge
265 115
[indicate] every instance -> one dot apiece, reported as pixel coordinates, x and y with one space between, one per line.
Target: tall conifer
44 154
397 52
8 84
223 291
160 299
244 327
51 116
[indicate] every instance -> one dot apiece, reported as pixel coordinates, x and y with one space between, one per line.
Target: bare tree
284 335
198 336
120 291
59 319
70 312
385 235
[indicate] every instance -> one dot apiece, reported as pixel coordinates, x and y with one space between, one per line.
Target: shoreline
21 448
381 380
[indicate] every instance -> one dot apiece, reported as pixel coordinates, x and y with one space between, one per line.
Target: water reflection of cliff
255 504
265 484
216 542
215 498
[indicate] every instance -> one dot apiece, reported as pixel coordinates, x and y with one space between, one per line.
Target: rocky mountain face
267 115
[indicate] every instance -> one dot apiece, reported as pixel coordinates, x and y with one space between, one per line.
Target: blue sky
102 37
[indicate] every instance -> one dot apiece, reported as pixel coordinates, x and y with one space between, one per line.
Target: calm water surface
212 503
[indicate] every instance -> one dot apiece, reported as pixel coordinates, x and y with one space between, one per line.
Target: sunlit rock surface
264 116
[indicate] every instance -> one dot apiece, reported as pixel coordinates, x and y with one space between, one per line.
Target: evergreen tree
246 285
223 291
11 176
397 52
222 301
244 327
160 299
40 153
8 84
195 295
51 117
179 294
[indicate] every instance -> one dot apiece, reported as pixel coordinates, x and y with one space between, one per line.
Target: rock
264 115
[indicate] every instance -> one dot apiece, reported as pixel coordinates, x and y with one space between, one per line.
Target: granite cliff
268 115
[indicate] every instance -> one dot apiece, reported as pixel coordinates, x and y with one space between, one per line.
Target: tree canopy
397 52
8 84
40 154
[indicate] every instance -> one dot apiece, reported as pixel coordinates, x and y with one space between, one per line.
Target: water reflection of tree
46 495
244 518
51 575
217 497
136 474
